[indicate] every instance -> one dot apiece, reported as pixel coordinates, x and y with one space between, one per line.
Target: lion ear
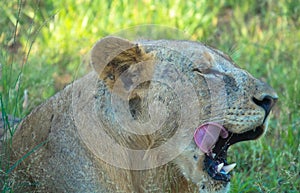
119 60
106 49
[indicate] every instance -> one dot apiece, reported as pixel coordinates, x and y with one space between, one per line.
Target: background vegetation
42 43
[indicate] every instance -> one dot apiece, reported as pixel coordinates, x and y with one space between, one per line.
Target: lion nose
266 103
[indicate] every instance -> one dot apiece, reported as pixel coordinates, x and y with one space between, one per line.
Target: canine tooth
228 168
219 167
213 155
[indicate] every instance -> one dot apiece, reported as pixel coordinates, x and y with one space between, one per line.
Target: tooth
228 168
219 167
213 155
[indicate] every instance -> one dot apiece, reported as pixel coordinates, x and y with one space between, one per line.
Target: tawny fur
61 151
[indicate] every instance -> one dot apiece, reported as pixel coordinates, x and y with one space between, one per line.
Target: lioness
153 116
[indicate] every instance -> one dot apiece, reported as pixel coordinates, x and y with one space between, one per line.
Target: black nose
267 103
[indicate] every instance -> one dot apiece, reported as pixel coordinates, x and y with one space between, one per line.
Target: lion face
177 91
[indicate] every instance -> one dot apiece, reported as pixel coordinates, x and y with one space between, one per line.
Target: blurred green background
44 45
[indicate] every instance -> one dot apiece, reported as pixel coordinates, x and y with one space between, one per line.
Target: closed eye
206 71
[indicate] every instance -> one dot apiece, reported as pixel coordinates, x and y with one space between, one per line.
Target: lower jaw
220 149
217 186
210 165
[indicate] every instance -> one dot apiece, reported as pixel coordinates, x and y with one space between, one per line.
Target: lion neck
166 178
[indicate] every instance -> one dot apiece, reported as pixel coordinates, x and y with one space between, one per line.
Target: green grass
43 43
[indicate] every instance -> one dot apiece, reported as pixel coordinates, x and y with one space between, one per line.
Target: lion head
179 104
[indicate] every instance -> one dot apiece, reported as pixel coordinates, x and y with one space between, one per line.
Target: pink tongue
208 134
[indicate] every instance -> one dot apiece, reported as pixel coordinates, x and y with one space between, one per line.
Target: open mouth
215 162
